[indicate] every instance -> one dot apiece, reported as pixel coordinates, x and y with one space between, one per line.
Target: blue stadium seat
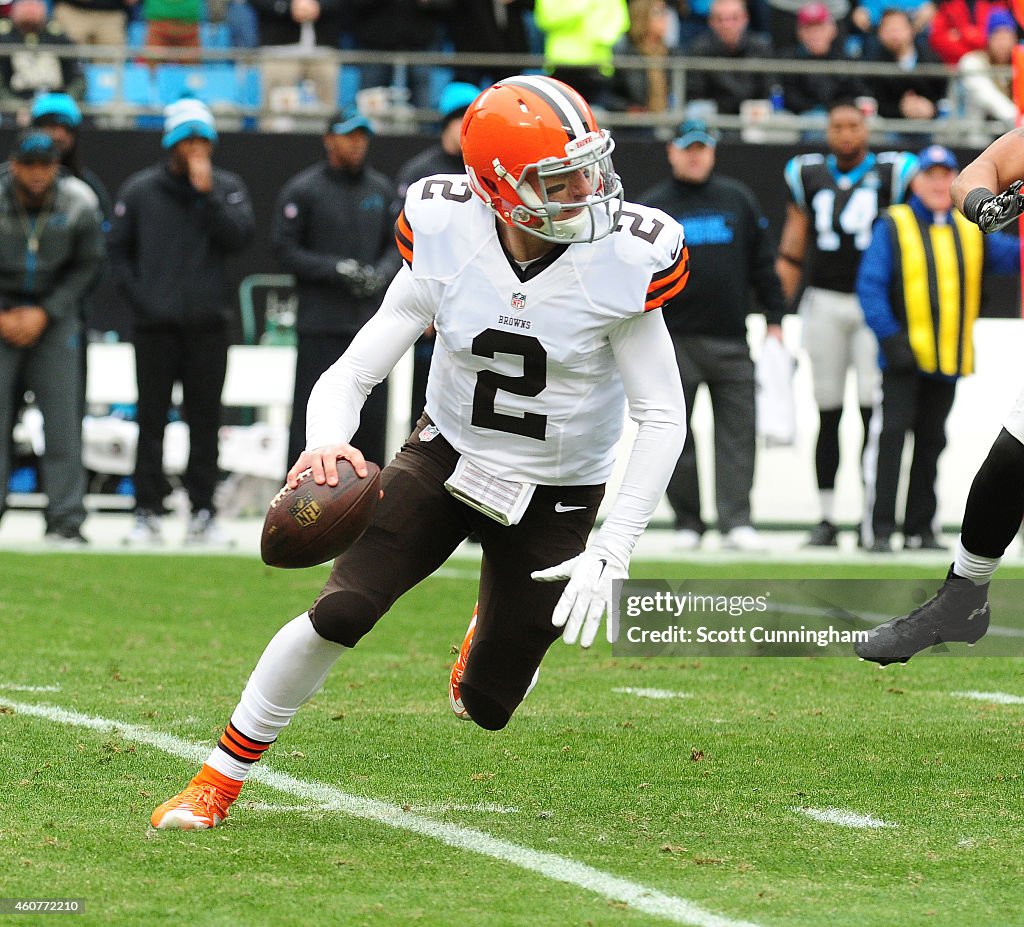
248 85
214 35
101 84
136 34
212 83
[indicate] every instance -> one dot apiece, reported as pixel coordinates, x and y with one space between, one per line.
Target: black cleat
959 611
880 545
823 534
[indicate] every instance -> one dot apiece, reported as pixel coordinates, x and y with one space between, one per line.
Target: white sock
970 566
291 671
827 502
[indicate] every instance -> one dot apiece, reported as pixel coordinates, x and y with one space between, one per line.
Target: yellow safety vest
938 293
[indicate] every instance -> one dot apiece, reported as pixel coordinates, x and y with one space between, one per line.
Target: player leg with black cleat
960 610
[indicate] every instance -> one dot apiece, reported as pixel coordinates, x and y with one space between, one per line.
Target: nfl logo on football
306 510
518 302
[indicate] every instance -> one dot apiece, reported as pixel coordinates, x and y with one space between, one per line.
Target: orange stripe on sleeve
668 283
404 238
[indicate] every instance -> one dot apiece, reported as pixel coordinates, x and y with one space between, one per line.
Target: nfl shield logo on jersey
518 301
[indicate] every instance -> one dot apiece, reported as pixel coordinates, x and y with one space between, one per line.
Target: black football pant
919 405
197 358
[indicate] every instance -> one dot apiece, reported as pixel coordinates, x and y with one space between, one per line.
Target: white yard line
999 698
842 818
651 693
11 687
549 865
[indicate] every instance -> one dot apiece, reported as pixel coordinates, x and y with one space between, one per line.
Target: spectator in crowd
867 15
693 22
496 28
782 16
989 96
243 24
291 35
732 254
173 24
908 96
399 25
834 200
644 90
817 40
175 224
959 26
925 339
729 38
443 158
27 67
93 22
52 244
579 38
333 229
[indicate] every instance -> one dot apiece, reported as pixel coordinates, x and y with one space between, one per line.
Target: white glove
588 594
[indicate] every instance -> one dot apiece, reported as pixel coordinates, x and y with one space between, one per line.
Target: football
312 524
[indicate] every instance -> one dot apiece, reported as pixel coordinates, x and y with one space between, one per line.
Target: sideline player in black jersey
987 193
834 199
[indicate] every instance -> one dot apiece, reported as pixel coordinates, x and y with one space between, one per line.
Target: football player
834 199
987 192
545 290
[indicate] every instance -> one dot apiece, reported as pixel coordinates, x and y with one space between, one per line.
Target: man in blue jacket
920 288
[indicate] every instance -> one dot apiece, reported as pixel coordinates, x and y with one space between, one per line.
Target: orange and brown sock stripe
239 747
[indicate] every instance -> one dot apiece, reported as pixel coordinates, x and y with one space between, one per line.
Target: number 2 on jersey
531 383
856 219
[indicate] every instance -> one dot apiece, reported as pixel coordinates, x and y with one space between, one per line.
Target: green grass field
696 797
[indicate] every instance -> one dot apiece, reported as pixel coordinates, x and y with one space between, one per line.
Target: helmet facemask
591 218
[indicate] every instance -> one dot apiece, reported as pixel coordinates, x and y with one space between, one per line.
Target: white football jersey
523 379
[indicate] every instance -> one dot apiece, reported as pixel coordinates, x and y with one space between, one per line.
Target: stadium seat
214 35
248 85
136 34
101 84
212 83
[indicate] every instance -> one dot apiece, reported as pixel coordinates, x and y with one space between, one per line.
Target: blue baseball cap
695 132
937 156
455 99
34 147
56 107
188 118
346 121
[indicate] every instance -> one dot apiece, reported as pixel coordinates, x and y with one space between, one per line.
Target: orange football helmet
528 138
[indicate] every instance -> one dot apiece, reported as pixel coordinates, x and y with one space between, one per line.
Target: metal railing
398 117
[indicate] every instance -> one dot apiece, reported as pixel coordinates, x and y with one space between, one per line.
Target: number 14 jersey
523 379
842 208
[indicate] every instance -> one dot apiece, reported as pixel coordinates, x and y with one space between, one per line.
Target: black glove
362 280
992 213
899 356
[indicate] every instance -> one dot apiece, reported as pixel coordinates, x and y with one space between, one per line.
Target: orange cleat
202 805
459 668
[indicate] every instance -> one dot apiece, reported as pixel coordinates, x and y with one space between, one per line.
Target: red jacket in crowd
960 27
